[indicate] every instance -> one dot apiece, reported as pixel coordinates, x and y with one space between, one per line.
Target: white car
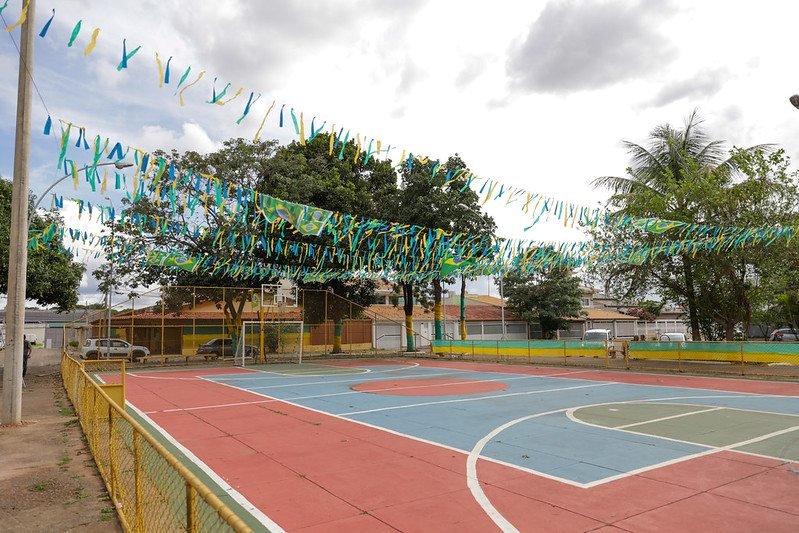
671 337
96 348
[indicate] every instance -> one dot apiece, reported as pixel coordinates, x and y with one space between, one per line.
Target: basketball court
426 445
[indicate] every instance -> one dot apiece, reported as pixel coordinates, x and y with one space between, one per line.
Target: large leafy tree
669 178
424 199
683 176
53 278
302 173
549 297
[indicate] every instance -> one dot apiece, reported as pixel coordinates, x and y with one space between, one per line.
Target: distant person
27 348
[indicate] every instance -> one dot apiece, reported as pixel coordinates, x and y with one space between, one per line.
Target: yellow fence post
137 481
111 460
627 358
191 525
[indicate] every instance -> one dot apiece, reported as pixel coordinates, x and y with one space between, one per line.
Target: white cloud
192 136
343 62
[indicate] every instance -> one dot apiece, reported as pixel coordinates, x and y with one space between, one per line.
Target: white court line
233 493
666 418
201 407
314 374
473 482
328 381
459 400
669 386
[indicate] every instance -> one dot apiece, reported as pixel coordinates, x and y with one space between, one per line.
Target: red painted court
334 448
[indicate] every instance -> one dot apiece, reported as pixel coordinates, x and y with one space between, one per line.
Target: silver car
96 348
784 334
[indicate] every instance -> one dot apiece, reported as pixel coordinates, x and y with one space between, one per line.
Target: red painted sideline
314 472
430 387
781 388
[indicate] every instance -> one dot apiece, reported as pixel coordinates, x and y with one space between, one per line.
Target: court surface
425 445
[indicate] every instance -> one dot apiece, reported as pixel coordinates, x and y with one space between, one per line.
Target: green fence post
564 354
679 357
529 356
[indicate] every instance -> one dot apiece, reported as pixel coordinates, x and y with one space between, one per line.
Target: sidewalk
48 480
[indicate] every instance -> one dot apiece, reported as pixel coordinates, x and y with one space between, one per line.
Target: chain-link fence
198 324
151 490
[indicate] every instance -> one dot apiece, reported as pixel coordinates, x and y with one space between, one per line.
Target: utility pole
18 249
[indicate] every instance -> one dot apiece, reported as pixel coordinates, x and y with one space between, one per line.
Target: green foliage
297 173
52 277
548 297
424 200
682 175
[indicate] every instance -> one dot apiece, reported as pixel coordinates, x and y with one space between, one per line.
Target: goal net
270 341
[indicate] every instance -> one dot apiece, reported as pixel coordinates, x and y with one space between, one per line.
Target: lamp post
117 164
109 282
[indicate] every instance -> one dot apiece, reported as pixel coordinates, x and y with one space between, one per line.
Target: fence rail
150 488
740 358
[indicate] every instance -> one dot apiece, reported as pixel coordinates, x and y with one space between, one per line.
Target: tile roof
594 313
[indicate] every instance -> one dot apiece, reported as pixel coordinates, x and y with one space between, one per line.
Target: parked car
597 335
94 348
671 337
785 334
223 347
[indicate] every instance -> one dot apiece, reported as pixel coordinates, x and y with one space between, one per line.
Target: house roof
476 312
593 313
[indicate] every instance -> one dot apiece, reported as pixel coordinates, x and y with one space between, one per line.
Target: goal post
270 341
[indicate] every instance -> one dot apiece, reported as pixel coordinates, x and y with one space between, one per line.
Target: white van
597 335
671 337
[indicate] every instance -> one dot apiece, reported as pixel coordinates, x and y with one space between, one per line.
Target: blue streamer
46 26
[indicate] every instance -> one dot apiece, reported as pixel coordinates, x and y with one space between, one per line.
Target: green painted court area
769 434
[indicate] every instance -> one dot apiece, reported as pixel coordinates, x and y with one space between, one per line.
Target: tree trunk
693 315
437 307
407 294
337 323
463 308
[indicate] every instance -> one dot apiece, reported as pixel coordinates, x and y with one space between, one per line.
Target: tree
424 199
549 297
669 179
52 277
298 173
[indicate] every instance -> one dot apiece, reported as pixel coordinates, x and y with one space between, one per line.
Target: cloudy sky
538 94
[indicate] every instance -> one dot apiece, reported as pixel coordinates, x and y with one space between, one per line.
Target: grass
65 461
40 487
70 423
106 514
66 411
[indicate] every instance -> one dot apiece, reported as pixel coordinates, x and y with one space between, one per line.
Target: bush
73 344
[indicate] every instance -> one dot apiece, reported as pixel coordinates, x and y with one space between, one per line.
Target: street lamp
109 281
118 164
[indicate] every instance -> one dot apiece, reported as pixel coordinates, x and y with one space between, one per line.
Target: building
44 327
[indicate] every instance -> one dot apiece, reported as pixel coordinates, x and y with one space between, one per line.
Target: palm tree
672 156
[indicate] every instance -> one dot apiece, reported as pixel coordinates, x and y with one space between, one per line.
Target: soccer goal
276 340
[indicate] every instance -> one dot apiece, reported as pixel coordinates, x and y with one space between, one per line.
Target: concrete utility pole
18 249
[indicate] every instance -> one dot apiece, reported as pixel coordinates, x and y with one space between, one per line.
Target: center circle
430 387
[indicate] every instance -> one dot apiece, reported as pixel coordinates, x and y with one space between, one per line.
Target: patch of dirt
48 479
